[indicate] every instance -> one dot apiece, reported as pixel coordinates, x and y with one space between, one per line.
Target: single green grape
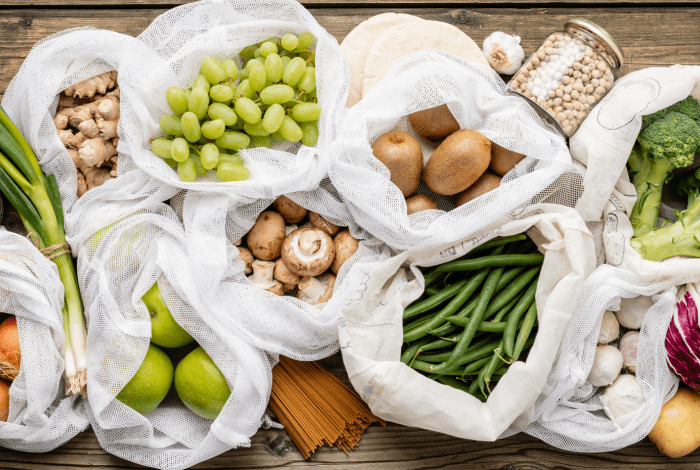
221 93
223 112
170 124
209 156
312 94
213 129
190 127
244 90
273 40
277 94
244 74
255 129
294 71
161 147
252 62
308 81
201 82
274 68
176 99
309 135
289 42
261 141
305 40
233 140
230 70
257 78
235 159
306 112
248 110
199 102
212 70
290 130
272 120
268 48
179 149
199 168
187 170
257 53
230 172
285 61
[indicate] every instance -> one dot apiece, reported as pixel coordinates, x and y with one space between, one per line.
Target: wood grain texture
648 36
325 3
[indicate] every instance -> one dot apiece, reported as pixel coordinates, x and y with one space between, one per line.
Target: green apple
150 384
165 332
200 384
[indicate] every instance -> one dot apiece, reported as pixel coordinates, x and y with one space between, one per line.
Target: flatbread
401 40
357 44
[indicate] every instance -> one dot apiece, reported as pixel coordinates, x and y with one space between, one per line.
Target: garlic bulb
628 348
607 365
623 397
609 328
503 52
632 311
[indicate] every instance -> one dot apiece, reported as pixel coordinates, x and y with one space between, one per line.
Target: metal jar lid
602 36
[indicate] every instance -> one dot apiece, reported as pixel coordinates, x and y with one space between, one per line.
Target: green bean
475 366
501 370
412 350
472 355
446 294
456 302
511 291
524 333
431 278
481 346
514 317
474 387
476 317
499 241
454 383
432 290
491 261
419 322
507 308
487 326
480 378
496 359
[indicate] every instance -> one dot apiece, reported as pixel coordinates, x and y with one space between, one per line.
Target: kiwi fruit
458 162
487 182
419 202
434 123
503 160
402 155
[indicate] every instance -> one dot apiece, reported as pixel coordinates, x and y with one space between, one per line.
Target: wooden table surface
650 32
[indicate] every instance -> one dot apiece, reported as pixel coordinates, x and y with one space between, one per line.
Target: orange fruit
4 400
10 354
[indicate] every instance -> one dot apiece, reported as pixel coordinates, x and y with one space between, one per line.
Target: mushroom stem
310 242
262 274
311 287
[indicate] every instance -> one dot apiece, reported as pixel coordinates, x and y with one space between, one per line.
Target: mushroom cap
327 280
284 275
290 210
267 235
308 251
319 222
345 246
277 289
247 257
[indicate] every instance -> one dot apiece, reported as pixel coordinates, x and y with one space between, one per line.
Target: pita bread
357 44
404 39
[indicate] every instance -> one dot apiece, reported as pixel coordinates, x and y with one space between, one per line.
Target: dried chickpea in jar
569 73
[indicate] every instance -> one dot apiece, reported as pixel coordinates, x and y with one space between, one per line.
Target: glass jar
569 74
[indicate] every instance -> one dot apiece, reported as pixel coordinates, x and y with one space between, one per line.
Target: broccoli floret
669 141
688 106
689 186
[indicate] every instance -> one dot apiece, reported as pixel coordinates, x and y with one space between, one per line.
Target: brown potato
419 202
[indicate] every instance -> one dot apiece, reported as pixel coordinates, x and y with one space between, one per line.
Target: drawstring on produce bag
51 251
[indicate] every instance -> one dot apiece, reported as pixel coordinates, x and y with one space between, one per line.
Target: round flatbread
356 45
401 40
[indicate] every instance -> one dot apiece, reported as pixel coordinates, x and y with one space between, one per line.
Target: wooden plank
675 37
328 4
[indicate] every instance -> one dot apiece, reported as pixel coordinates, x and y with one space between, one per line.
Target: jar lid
600 34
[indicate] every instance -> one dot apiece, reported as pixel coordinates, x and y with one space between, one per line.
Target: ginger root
86 121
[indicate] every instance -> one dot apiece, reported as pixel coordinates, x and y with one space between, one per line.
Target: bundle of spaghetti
316 408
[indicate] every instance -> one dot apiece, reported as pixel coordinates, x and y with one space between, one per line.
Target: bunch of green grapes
272 97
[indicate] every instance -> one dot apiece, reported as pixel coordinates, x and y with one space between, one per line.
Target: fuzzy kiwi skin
483 185
434 123
419 202
503 160
458 162
402 155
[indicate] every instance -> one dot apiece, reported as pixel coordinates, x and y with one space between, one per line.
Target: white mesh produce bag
569 413
177 41
478 99
371 330
41 417
116 266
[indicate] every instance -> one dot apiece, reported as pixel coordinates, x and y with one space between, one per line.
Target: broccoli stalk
666 142
689 186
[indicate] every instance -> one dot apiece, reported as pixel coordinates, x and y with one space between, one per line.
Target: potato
677 431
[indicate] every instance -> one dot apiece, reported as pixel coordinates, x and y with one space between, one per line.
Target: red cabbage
683 338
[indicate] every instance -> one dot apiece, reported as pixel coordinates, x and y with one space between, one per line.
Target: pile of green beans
476 317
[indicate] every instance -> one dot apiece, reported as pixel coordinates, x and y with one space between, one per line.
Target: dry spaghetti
316 408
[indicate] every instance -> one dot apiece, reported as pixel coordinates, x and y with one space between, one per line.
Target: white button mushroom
628 348
267 235
291 211
308 251
285 276
262 277
607 365
245 256
345 247
623 397
609 328
316 290
319 222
